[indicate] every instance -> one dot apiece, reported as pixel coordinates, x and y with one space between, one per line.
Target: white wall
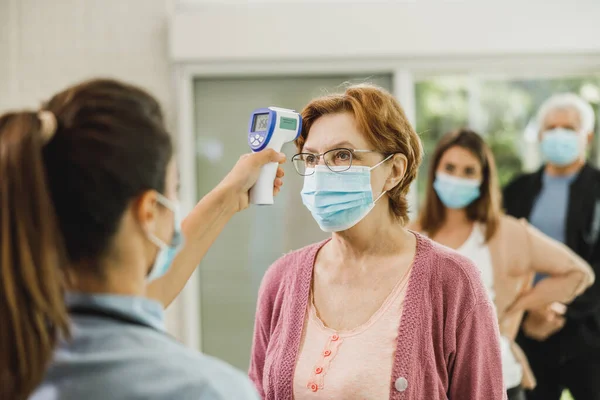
208 30
46 45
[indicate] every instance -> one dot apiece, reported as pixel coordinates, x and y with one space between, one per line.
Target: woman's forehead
564 117
335 130
460 156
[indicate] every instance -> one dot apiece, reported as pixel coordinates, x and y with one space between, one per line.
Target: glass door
231 272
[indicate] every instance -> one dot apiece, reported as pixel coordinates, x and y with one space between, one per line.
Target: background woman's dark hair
487 208
60 206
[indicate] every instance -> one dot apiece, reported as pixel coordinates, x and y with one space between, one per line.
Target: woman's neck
371 238
554 170
454 217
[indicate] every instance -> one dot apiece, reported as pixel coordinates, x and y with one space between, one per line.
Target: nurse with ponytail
93 246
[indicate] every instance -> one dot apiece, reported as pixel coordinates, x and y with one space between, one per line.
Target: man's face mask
561 146
339 200
167 251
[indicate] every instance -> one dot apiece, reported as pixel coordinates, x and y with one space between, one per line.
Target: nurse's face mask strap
168 204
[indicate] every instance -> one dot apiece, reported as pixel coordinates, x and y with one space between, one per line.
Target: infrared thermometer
270 128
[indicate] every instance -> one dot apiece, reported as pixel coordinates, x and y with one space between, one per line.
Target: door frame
186 310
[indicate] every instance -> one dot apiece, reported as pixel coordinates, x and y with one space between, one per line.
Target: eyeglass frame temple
319 156
341 148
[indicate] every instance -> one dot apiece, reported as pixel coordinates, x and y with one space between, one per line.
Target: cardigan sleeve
267 313
476 370
260 342
262 333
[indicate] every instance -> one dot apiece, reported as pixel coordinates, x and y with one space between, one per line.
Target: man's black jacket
582 329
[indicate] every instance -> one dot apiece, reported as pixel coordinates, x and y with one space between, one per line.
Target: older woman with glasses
376 311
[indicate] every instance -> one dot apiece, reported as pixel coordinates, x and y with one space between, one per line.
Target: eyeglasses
337 160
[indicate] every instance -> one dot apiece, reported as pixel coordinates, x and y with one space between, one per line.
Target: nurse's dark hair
487 209
62 198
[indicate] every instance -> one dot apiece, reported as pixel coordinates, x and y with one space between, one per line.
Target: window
501 110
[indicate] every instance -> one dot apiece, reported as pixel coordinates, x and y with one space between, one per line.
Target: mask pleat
338 200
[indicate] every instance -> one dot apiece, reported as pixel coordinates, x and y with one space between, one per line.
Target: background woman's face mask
454 192
167 251
338 201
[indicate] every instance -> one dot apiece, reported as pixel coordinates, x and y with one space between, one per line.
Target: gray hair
568 101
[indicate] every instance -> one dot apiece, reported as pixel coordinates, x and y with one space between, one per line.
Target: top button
335 337
401 384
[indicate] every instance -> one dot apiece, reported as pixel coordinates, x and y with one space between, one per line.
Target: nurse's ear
399 164
145 211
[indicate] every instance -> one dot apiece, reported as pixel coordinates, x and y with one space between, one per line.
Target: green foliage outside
500 109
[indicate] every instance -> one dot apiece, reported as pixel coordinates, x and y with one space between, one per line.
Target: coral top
337 365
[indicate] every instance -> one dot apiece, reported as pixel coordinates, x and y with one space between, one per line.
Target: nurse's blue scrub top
120 350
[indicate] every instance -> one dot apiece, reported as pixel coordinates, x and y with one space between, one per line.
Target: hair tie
48 125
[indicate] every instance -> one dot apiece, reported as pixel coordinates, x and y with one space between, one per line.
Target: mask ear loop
165 201
171 206
380 196
156 241
381 162
375 166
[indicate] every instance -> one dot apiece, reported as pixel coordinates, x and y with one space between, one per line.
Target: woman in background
375 311
462 211
88 203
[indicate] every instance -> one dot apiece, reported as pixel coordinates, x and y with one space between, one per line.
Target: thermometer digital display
270 127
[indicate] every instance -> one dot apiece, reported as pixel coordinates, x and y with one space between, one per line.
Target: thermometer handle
262 191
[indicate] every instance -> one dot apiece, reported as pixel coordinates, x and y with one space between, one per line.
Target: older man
562 199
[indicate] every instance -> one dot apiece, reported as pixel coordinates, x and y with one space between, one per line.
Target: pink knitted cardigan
448 340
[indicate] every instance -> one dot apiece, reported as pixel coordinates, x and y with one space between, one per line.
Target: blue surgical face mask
339 200
167 252
561 146
456 193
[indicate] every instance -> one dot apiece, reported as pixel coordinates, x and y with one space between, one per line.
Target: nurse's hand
245 174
